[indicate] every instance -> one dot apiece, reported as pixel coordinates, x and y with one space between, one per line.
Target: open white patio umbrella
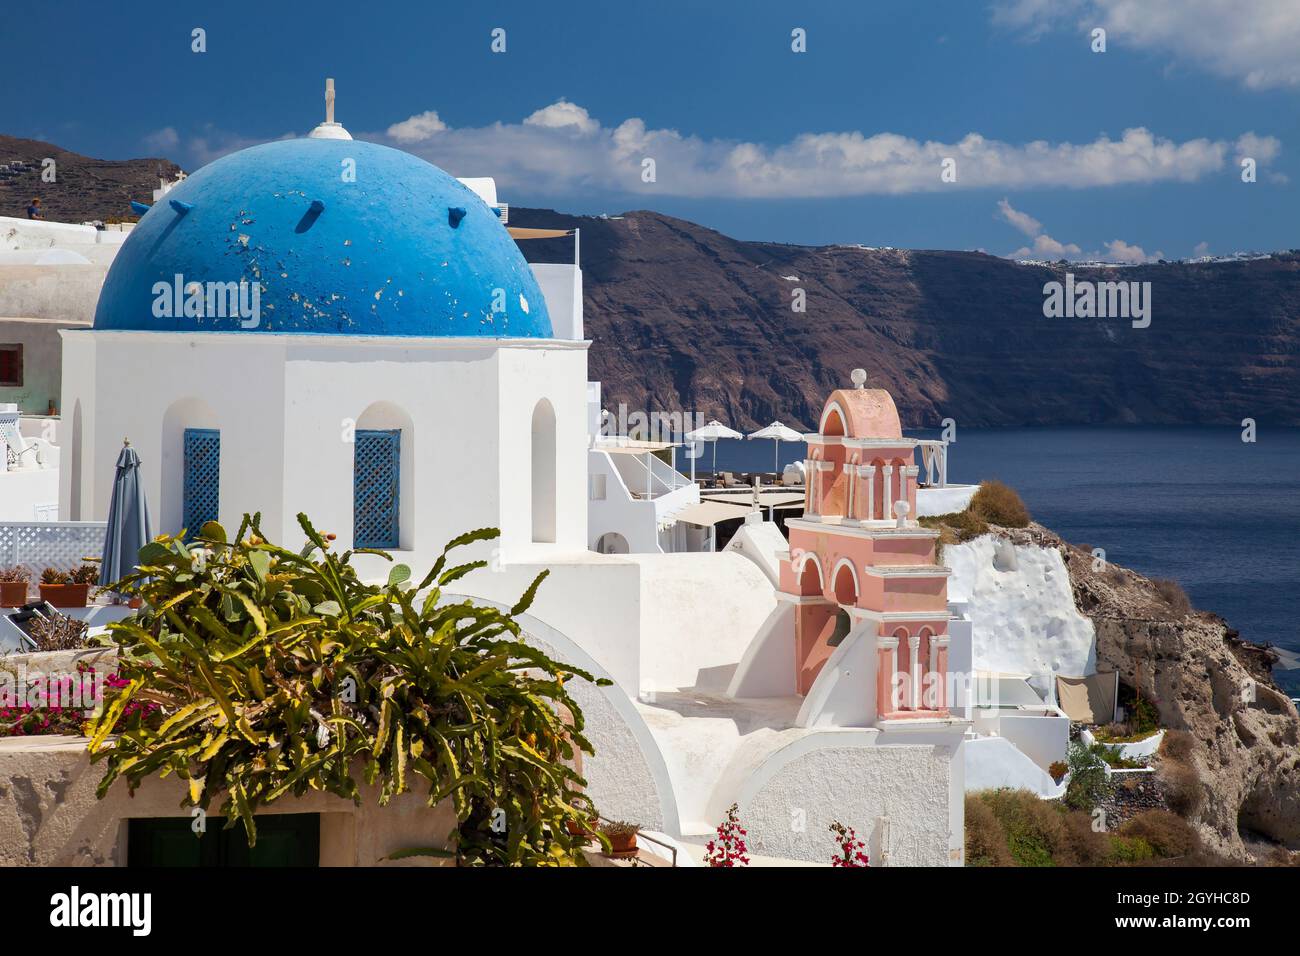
777 433
710 432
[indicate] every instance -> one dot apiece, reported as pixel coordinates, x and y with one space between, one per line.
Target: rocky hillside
84 189
685 318
1243 788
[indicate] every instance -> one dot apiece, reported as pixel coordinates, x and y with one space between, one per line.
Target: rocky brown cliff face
1206 681
686 319
84 189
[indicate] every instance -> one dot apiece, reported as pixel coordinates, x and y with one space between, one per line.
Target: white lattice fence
37 545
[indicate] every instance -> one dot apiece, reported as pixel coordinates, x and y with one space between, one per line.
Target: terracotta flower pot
13 593
576 828
621 844
65 595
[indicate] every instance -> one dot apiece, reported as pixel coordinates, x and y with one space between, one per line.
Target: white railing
660 479
37 545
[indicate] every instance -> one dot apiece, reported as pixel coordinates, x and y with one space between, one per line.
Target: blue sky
842 143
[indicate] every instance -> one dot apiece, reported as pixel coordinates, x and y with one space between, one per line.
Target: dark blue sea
1199 505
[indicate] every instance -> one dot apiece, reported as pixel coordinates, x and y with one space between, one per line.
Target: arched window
377 488
202 490
383 478
543 472
902 672
810 575
846 584
926 653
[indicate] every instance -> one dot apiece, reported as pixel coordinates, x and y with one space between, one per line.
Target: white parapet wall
899 799
762 542
943 501
561 286
993 763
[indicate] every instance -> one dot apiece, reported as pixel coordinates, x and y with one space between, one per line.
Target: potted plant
582 828
13 586
61 589
622 838
1058 770
589 821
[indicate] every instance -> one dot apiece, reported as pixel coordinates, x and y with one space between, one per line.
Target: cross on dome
329 129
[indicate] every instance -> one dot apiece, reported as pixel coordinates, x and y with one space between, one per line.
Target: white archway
611 542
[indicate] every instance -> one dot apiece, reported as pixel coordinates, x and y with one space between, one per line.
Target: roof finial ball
859 376
329 129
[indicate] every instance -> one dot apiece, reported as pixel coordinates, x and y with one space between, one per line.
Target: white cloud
163 140
543 155
205 145
1021 220
1253 41
1045 247
1201 249
1117 250
563 114
418 127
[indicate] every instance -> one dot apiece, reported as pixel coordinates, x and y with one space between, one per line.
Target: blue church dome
333 236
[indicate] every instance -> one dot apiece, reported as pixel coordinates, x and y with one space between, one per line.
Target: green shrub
999 504
1089 784
1035 829
1112 757
1145 719
278 672
1127 850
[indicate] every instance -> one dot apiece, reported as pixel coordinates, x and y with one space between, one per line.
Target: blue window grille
375 488
202 494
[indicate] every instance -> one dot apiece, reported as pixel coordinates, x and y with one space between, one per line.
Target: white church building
341 329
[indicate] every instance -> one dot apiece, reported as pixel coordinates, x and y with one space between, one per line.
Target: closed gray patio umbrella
128 529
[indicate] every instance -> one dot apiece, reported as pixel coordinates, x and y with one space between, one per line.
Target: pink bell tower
860 564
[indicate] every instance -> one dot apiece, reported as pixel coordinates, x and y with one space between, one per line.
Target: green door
288 839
